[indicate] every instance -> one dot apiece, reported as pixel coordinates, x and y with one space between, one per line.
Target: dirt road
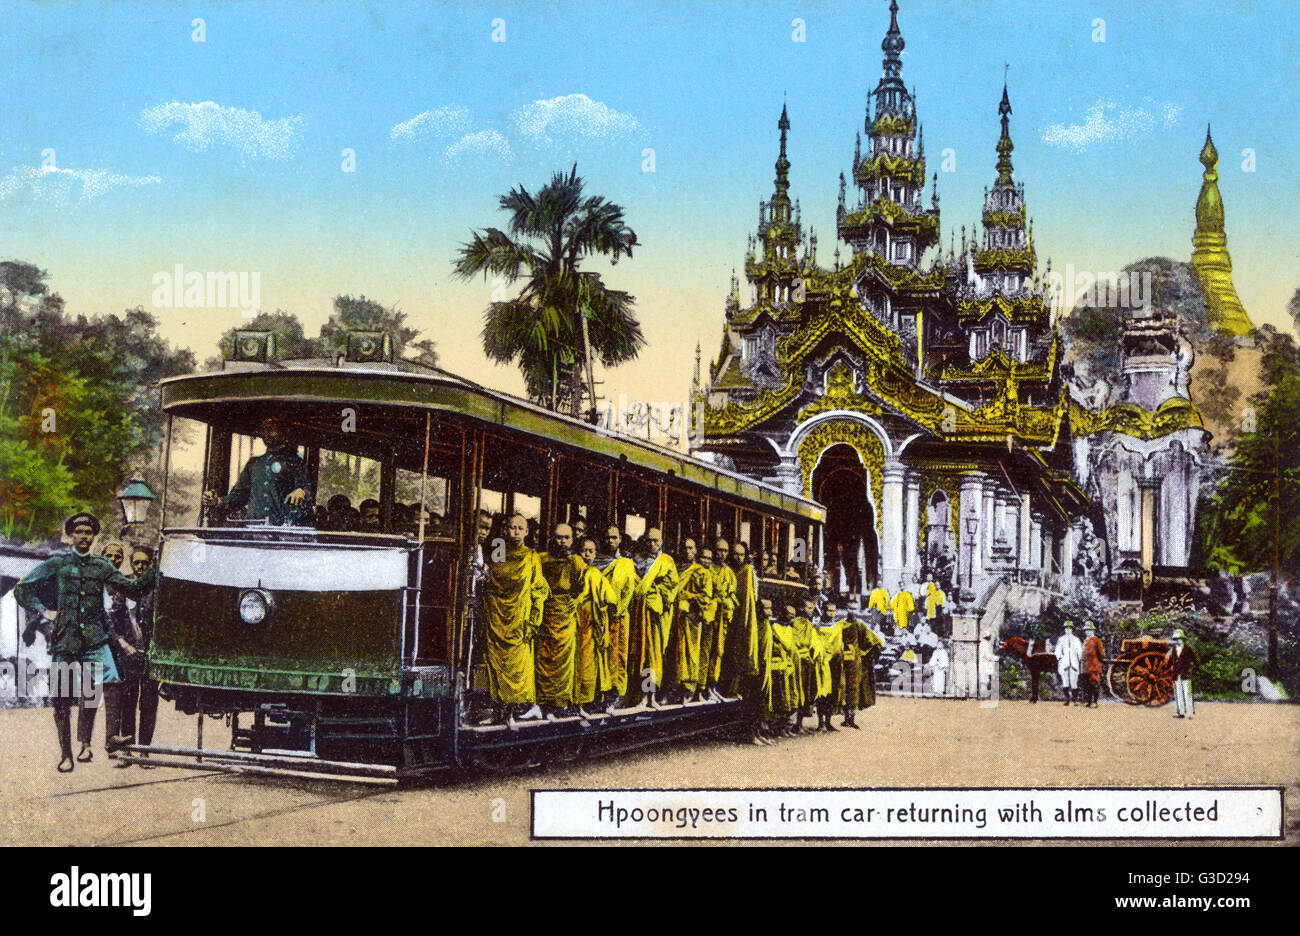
904 742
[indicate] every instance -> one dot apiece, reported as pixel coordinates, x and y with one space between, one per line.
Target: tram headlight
254 606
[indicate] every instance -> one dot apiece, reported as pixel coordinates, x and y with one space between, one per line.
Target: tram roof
409 384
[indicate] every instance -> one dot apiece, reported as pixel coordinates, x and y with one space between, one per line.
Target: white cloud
572 115
479 144
439 123
1108 122
207 124
47 183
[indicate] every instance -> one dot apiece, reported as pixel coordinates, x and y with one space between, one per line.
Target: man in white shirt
1069 661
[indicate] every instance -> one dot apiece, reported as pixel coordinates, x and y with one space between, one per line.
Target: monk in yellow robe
801 627
514 597
557 639
874 645
741 655
830 666
695 605
713 638
902 607
758 686
934 599
591 654
786 696
652 613
854 644
878 602
620 572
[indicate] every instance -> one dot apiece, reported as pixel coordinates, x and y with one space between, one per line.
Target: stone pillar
821 552
1024 549
912 526
1148 486
891 546
1072 534
1035 543
970 530
989 526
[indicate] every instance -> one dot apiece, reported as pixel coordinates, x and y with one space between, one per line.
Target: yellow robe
805 651
724 591
591 655
695 605
829 660
622 578
873 644
786 692
933 602
514 596
744 654
903 605
879 601
557 639
652 610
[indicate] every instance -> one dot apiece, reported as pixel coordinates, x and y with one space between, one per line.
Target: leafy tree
1293 307
1236 524
541 329
78 406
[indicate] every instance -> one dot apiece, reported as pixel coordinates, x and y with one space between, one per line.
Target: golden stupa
1210 259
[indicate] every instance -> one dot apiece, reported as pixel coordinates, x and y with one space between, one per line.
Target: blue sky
227 154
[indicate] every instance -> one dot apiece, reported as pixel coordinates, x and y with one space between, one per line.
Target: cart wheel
1149 680
1117 682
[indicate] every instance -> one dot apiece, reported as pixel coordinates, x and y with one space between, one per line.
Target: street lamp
135 498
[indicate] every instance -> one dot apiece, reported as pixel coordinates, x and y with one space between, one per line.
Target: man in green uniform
79 639
276 483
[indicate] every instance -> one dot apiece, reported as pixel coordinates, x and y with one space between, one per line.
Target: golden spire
1210 259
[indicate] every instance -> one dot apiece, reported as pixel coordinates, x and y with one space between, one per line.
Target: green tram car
350 654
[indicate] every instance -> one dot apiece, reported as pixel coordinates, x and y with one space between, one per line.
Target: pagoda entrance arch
842 467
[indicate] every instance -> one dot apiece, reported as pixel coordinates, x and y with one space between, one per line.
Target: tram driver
276 483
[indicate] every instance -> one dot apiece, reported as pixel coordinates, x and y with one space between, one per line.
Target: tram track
196 828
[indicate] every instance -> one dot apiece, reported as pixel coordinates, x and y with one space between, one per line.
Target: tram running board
277 765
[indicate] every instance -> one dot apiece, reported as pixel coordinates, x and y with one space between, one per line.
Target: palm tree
562 316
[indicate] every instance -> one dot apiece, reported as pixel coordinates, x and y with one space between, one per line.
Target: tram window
682 522
184 471
530 507
439 521
347 488
722 520
751 533
638 505
634 526
581 492
494 502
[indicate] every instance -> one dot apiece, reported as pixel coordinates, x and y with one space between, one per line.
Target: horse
1037 663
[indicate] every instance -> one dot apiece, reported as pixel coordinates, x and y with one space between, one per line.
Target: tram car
351 652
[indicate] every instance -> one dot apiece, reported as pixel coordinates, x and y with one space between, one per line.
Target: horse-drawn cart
1139 675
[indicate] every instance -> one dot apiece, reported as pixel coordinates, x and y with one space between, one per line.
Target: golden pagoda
1210 259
